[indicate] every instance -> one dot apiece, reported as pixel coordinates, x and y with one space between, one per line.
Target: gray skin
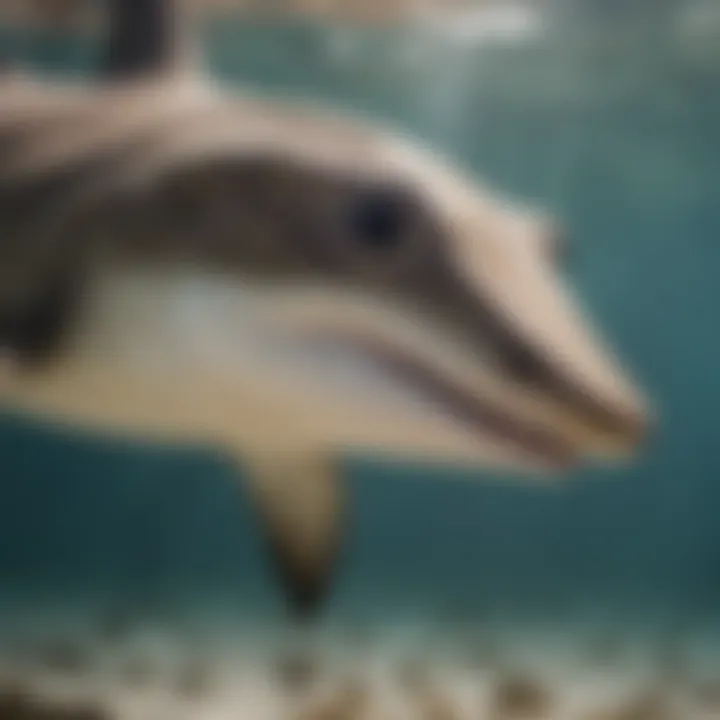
286 283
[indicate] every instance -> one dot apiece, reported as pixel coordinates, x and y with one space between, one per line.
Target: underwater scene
134 579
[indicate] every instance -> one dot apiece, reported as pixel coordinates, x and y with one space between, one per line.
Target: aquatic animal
187 263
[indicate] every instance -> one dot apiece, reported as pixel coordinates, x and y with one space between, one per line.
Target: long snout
540 339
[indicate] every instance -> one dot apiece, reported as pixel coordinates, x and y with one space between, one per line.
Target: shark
186 263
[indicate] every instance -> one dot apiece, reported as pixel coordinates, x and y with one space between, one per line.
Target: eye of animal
379 218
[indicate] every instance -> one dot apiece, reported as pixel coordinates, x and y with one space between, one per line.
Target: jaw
424 394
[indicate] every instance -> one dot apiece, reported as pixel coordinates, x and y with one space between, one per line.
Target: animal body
183 263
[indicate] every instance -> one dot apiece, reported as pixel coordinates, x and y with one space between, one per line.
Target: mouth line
537 375
471 411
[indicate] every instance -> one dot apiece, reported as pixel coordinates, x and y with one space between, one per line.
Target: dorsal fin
146 38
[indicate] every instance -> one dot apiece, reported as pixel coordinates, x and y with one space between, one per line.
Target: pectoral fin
301 501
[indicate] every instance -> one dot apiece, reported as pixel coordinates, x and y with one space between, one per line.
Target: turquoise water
624 143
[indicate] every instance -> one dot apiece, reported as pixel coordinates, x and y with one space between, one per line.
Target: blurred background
607 112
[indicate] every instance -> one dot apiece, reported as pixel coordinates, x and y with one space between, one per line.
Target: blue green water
623 141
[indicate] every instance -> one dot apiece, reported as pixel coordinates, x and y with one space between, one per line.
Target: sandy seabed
98 664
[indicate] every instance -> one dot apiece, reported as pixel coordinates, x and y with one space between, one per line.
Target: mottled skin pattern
119 201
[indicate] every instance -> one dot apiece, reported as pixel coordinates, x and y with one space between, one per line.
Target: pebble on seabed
520 697
349 702
649 704
434 704
425 693
19 703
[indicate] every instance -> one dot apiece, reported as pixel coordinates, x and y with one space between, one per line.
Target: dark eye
379 218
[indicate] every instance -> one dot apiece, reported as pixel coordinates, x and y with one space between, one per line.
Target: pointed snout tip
621 431
635 427
620 444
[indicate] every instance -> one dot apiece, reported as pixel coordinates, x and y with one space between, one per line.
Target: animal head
410 310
